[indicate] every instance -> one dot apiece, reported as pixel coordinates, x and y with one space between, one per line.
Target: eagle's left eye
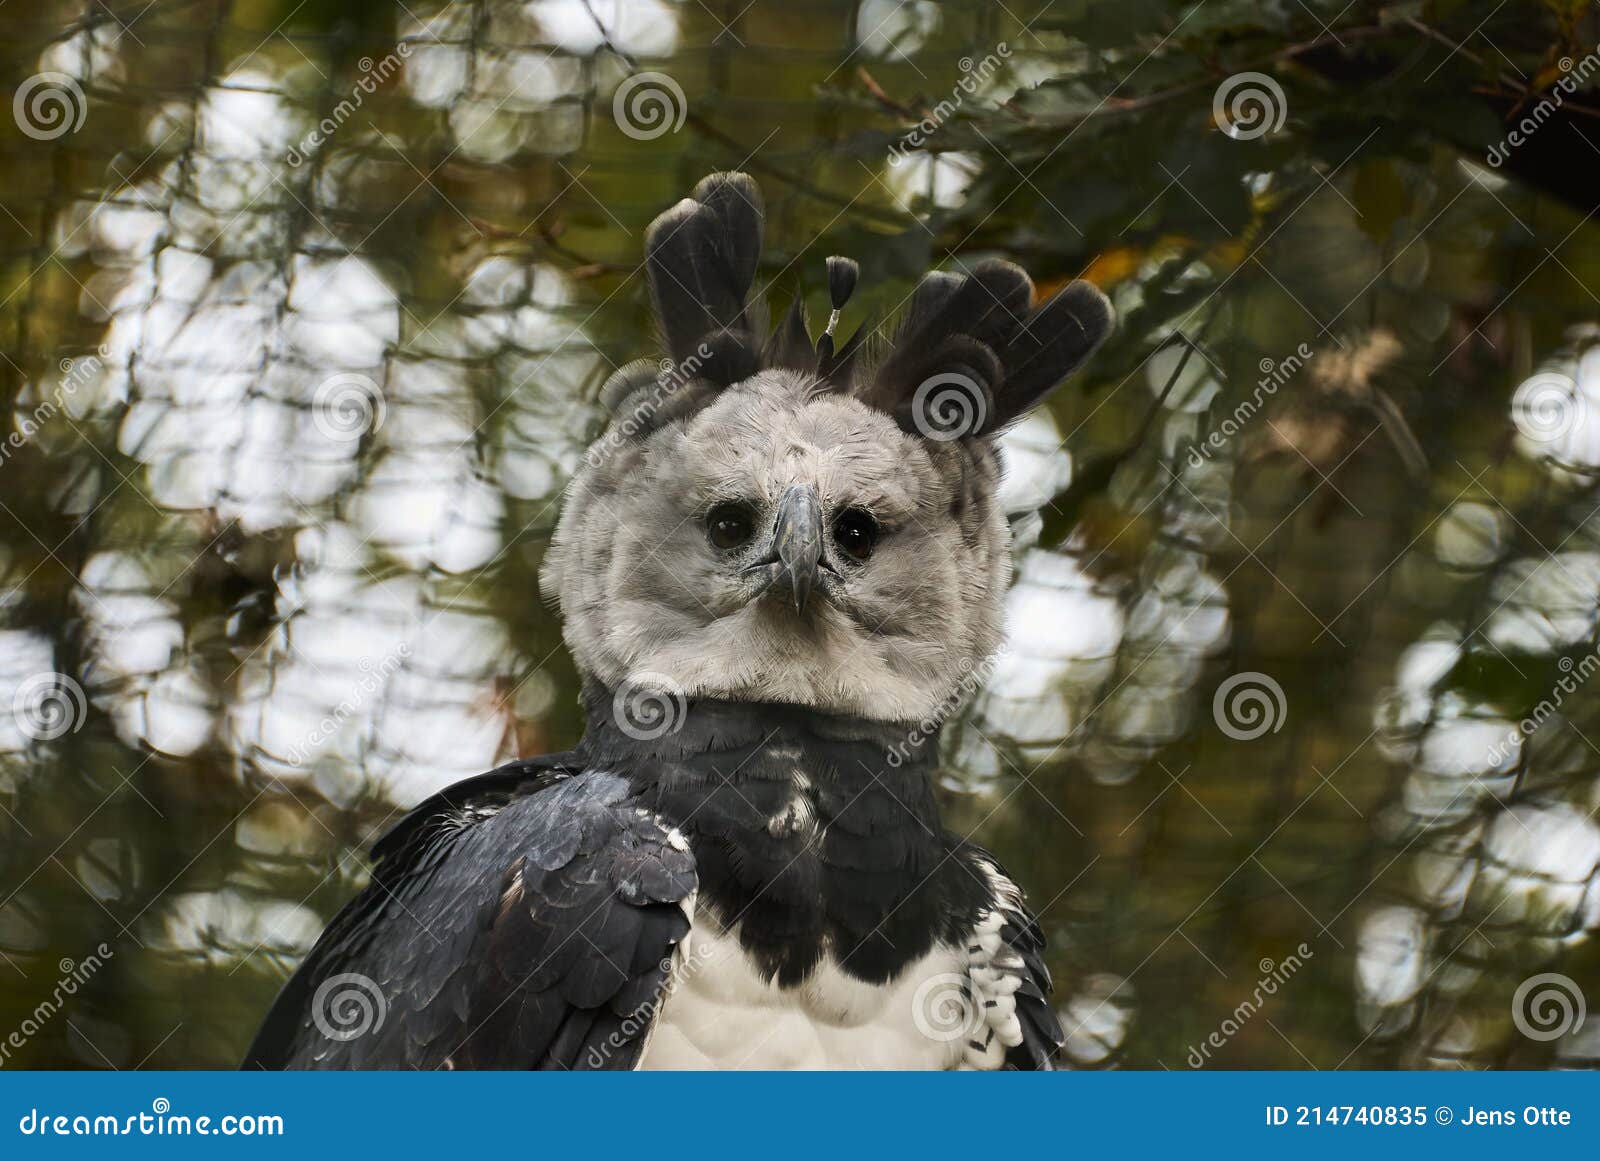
729 525
856 533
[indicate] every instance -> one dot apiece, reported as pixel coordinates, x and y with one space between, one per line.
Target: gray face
783 544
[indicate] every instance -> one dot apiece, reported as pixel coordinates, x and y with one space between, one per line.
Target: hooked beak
795 555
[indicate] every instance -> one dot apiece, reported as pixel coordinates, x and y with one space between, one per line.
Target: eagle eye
730 525
856 533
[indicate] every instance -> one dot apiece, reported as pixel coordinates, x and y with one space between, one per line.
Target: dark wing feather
523 919
1042 1036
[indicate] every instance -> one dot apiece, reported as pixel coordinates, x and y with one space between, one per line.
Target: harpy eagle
777 568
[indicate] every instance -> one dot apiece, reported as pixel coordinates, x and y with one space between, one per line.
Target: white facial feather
643 591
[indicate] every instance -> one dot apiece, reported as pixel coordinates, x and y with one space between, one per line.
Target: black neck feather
813 833
615 735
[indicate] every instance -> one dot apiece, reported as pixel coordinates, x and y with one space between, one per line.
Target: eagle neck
813 834
641 729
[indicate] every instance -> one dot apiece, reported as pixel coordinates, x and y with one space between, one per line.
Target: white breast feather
955 1007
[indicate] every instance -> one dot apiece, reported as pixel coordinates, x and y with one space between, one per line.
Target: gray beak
797 541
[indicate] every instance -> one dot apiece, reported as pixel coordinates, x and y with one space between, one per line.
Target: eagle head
769 517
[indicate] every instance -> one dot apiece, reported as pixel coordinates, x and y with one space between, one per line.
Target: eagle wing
1020 1030
1040 1027
526 918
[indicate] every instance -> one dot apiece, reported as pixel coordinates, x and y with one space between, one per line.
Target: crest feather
980 329
701 258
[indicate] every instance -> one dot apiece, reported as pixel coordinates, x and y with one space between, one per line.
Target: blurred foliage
286 631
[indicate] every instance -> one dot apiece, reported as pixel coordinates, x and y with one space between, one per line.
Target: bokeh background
304 309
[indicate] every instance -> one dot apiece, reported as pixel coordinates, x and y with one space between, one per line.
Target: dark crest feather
932 292
626 380
790 344
1057 338
702 257
842 276
1031 349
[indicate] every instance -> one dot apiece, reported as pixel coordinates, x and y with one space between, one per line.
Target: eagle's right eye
730 525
